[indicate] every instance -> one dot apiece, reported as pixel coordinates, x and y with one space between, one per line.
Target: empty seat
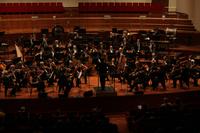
28 8
47 4
2 4
135 4
53 3
59 4
35 7
99 4
141 4
129 4
156 7
35 4
147 4
9 4
15 4
111 4
81 6
123 4
117 4
106 7
86 4
93 4
41 4
29 4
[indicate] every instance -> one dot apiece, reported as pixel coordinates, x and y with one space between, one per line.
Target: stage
114 88
115 98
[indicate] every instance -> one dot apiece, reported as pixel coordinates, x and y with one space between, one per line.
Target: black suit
102 70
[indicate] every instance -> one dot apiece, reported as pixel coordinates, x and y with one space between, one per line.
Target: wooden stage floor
119 88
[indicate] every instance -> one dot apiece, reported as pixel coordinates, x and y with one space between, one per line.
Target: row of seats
119 7
42 7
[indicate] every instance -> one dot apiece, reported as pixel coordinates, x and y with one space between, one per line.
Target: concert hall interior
99 66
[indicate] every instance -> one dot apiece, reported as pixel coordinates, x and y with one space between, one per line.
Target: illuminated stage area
112 89
88 96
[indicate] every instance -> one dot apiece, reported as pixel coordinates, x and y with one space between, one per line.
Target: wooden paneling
98 23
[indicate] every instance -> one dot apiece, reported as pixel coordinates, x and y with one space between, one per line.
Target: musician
111 53
119 55
19 74
6 81
95 55
124 69
113 68
34 78
83 56
44 43
185 74
51 77
48 53
13 80
74 51
138 77
9 81
1 74
102 69
40 86
85 72
39 55
32 40
68 85
195 74
176 75
154 75
124 36
62 82
58 53
78 74
162 76
56 44
138 45
152 46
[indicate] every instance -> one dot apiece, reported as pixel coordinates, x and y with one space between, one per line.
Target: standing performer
68 85
102 70
61 82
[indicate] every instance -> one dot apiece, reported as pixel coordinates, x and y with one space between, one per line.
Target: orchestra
68 63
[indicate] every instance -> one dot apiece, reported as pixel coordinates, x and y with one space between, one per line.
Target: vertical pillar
196 16
172 6
185 6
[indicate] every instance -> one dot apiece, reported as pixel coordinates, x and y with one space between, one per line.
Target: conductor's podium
108 91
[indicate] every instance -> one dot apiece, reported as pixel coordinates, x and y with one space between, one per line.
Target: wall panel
196 15
185 6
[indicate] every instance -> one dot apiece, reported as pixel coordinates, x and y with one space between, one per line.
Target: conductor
102 71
